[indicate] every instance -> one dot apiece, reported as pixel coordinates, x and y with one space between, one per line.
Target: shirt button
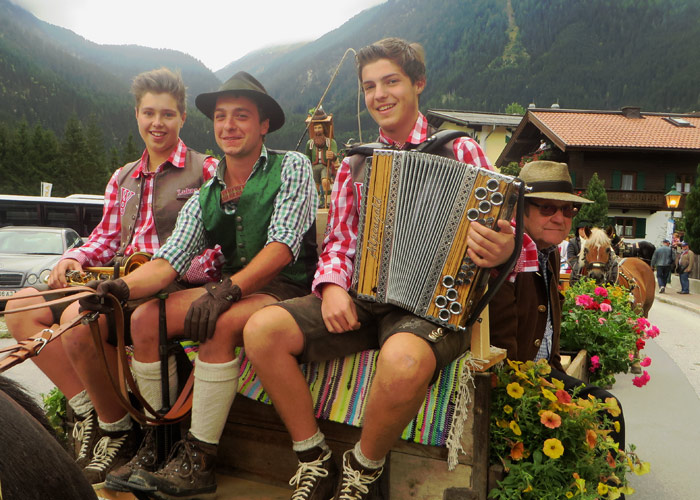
239 218
240 245
538 342
239 228
542 308
243 259
133 217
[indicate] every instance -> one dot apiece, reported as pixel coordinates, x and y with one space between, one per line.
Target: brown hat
549 180
320 116
243 84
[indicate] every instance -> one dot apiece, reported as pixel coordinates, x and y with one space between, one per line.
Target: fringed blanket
340 387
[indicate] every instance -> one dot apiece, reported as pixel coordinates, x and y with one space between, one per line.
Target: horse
32 463
642 249
598 262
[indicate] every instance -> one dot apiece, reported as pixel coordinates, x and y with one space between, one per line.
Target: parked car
28 253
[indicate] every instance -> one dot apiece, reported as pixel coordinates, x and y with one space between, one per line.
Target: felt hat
684 243
549 180
243 84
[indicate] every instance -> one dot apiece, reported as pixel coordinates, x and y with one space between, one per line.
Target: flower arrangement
601 320
552 444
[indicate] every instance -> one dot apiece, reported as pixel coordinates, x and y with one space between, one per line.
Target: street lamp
673 199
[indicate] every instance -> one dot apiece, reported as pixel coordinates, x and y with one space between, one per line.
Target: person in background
686 261
662 261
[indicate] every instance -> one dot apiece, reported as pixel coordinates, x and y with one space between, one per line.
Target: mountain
48 73
481 56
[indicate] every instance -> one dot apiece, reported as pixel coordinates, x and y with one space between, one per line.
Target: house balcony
640 200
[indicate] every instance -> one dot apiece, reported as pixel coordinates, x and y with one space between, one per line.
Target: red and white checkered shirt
105 239
335 265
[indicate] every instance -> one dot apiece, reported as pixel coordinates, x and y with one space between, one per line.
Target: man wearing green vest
260 207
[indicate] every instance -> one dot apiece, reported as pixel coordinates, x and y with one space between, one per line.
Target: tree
515 109
130 152
596 212
691 215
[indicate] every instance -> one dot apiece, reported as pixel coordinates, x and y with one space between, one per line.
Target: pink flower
601 320
631 355
595 363
600 291
645 362
653 332
641 380
643 322
584 300
605 307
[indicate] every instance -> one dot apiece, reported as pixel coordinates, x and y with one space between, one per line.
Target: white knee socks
148 378
215 385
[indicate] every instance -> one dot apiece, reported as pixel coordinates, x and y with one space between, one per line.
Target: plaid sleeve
209 168
468 151
295 204
187 239
335 264
104 240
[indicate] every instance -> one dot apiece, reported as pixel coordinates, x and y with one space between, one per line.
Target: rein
124 382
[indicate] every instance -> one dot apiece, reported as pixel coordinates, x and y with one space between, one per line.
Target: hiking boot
316 477
358 482
113 449
146 458
188 471
84 435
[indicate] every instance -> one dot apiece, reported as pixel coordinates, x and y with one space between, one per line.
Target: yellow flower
549 394
543 367
553 448
508 409
558 384
591 438
515 365
616 425
515 428
528 489
613 407
515 390
569 494
602 489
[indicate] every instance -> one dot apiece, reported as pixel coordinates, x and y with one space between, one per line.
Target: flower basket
553 445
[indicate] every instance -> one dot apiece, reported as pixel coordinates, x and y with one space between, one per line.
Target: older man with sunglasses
525 315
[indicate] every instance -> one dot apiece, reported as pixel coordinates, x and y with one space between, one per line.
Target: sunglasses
567 211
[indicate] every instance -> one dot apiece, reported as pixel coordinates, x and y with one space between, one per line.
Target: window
684 182
627 182
630 227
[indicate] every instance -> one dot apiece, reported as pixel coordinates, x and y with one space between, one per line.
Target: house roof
627 129
469 118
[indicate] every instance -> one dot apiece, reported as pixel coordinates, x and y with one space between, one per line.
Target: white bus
81 212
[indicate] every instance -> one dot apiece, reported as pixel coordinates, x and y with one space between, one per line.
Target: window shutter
641 181
670 182
641 228
616 179
573 179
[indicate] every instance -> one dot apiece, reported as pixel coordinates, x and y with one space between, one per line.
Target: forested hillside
482 55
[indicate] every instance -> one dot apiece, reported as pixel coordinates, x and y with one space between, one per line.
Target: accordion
415 212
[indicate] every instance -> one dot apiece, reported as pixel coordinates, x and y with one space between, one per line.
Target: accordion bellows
412 239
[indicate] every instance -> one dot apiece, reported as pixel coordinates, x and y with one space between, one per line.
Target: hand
96 302
330 155
338 309
57 278
200 322
489 248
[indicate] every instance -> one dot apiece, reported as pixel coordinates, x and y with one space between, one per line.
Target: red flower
640 344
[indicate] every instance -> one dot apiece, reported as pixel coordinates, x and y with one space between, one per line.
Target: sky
216 32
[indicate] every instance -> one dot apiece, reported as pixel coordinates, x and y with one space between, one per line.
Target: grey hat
549 180
684 244
243 84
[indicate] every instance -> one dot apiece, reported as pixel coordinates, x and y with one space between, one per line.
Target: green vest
243 234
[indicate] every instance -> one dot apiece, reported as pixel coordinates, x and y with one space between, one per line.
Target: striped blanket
340 388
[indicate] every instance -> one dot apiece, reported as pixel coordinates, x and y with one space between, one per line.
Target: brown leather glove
200 321
96 302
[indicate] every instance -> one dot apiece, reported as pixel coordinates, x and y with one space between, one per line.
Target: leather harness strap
125 382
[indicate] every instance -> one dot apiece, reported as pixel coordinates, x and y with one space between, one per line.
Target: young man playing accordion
331 323
167 174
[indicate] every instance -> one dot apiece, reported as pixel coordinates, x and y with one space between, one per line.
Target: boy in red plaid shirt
331 323
165 176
